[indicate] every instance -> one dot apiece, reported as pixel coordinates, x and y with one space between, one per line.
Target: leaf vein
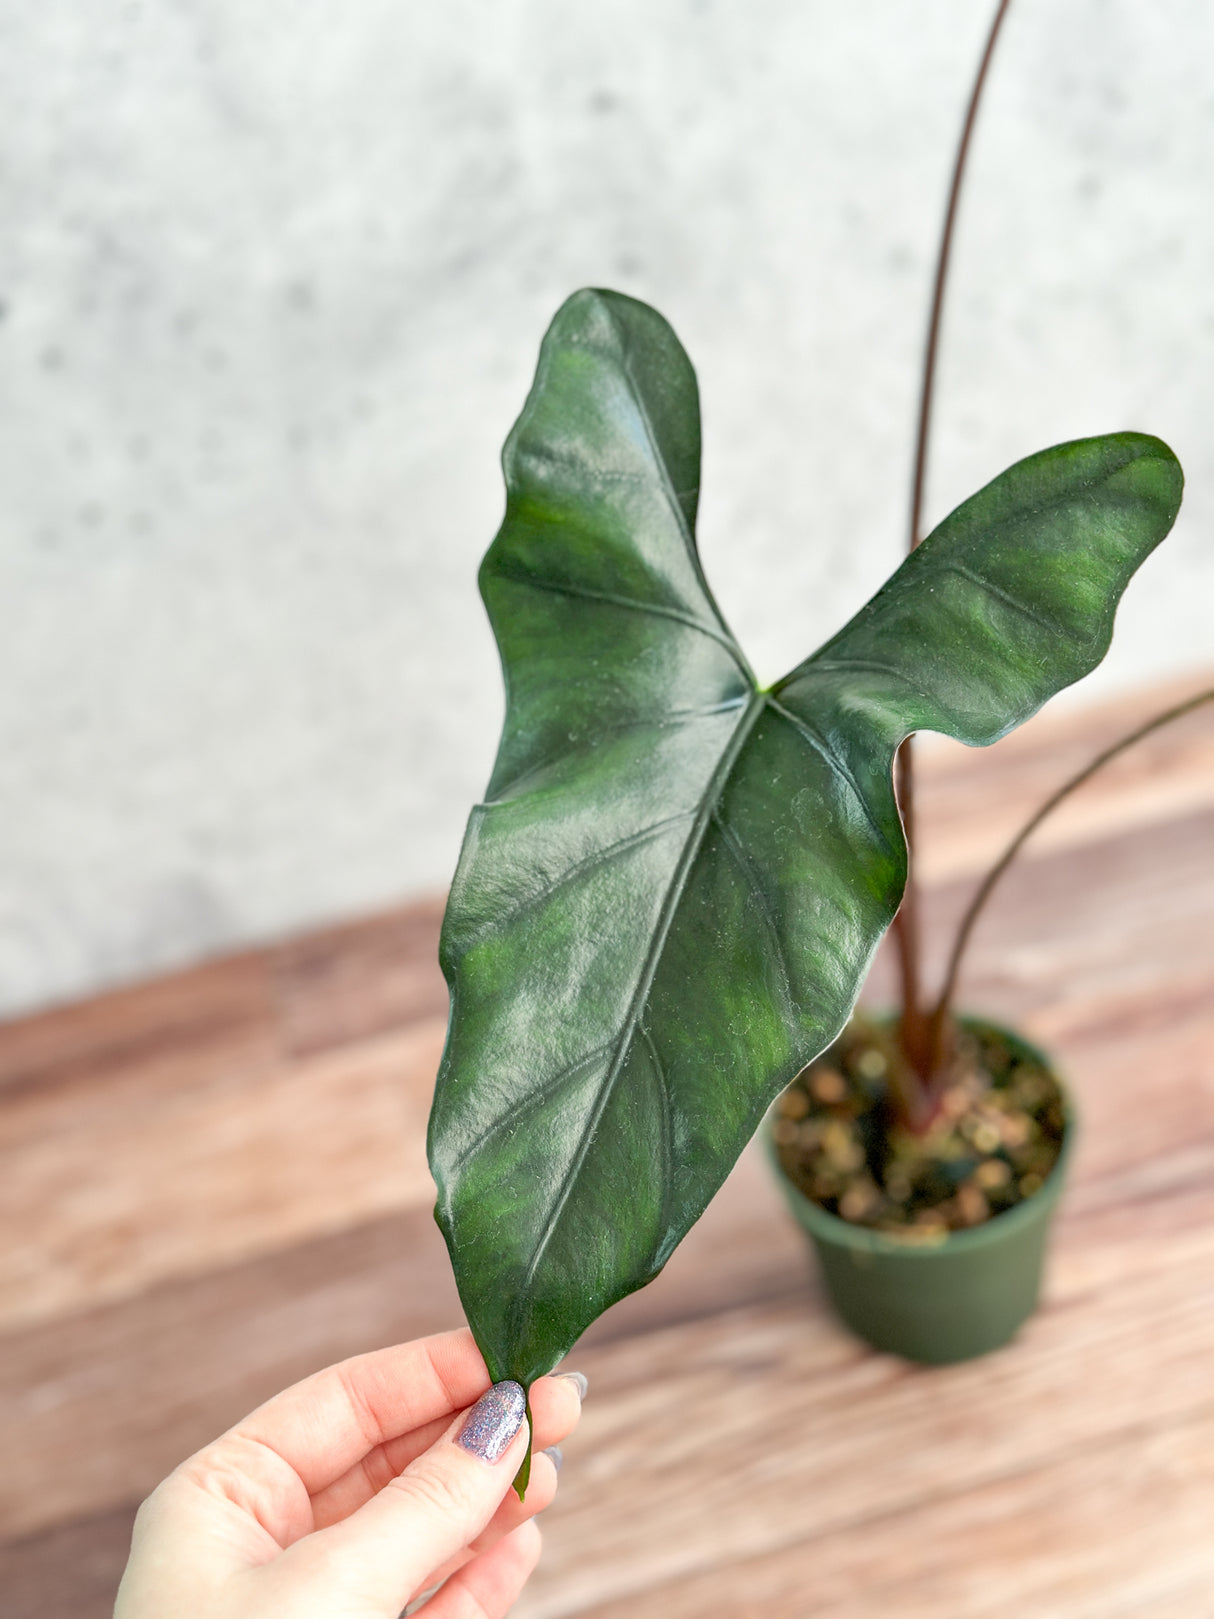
672 497
823 748
652 722
666 1118
526 1106
746 866
588 863
999 594
634 604
847 665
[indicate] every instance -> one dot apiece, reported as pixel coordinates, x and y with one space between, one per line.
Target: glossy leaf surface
669 899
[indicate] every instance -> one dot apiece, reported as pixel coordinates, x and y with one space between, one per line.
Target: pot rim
840 1233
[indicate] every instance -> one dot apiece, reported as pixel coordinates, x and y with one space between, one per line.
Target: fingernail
578 1379
493 1421
419 1602
555 1455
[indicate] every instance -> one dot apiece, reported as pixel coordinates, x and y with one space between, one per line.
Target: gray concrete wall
273 277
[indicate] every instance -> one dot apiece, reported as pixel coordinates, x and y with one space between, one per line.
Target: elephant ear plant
670 897
668 901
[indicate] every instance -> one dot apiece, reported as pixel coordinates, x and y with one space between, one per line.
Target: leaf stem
983 892
932 347
915 1026
914 1029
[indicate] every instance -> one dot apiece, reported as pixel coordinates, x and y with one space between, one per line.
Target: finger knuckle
437 1491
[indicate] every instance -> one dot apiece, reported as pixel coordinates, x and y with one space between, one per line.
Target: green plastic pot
962 1296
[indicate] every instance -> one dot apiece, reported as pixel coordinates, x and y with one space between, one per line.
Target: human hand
351 1492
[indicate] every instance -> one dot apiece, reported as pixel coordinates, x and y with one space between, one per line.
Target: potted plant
924 1153
668 901
927 1197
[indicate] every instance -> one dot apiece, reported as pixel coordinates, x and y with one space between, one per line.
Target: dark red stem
916 1029
941 1013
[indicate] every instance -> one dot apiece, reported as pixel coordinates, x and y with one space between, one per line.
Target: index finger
329 1422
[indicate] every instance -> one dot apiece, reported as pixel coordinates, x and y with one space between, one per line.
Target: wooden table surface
214 1183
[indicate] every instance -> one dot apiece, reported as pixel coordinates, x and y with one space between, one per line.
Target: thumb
426 1515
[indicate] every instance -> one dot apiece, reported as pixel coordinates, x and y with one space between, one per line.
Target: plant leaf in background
669 899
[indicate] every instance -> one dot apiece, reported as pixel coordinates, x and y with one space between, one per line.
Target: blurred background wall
272 280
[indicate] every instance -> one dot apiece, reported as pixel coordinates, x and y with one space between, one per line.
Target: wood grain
971 804
70 1572
771 1426
214 1183
104 1403
1113 1528
207 1174
102 1383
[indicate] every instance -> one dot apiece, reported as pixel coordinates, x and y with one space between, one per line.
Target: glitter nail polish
493 1421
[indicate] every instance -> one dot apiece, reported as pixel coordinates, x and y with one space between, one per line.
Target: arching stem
941 1013
916 1026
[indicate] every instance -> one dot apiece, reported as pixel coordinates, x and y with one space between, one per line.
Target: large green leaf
670 896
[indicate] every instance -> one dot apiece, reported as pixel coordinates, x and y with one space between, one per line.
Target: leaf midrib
672 498
631 1020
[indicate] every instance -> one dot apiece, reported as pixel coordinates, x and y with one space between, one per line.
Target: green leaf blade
670 897
565 880
1008 601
